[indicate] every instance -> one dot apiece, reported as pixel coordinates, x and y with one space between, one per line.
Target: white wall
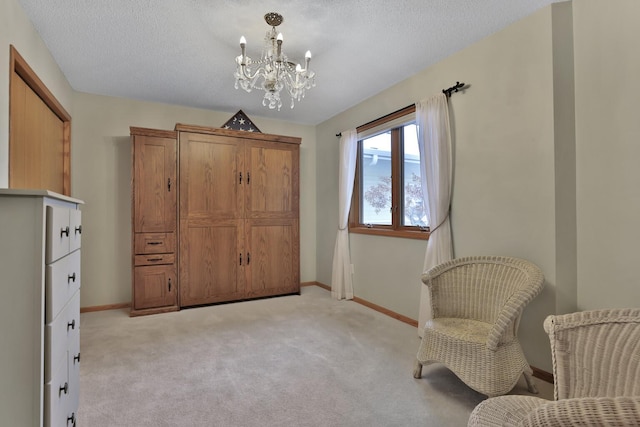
101 176
504 187
607 81
16 29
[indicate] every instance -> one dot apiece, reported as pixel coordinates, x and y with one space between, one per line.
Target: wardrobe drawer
154 243
155 259
61 334
62 281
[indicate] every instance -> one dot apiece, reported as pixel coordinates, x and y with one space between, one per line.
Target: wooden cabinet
154 210
40 308
238 210
233 230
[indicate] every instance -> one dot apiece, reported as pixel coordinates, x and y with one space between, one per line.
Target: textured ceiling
183 51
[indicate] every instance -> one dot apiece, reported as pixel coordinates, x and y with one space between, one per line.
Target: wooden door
155 186
211 228
36 149
273 180
39 132
273 254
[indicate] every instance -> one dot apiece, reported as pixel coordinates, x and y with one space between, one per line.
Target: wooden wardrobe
237 217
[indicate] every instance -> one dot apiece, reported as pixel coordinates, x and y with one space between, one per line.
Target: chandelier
273 72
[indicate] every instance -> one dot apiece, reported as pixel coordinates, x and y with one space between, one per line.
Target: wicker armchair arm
527 411
510 314
587 411
507 410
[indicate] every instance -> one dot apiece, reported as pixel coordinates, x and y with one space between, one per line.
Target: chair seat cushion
463 329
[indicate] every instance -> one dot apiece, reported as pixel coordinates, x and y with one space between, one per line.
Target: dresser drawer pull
72 419
79 229
64 231
154 243
76 358
154 259
71 324
71 277
64 388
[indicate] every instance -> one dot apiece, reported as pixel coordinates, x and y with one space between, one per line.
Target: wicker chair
596 365
476 306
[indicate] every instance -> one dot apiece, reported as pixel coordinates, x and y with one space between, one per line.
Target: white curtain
434 142
341 280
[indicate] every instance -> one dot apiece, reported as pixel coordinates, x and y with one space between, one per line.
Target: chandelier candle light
273 72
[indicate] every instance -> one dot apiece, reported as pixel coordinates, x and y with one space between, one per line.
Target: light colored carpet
302 360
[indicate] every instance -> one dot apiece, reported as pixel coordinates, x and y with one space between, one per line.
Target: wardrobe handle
248 258
169 184
169 284
72 418
248 178
240 177
71 324
79 229
76 358
64 231
240 259
71 277
64 388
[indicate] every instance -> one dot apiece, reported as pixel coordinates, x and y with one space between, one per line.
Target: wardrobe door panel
272 191
274 254
154 184
211 180
211 261
155 286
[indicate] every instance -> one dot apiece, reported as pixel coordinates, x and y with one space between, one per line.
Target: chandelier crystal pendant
273 72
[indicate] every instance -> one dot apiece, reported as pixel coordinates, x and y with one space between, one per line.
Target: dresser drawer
61 335
64 232
75 229
154 243
74 376
56 396
154 259
62 281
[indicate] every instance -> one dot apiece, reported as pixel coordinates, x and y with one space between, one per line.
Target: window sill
406 234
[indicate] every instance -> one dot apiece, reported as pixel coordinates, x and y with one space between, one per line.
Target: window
387 195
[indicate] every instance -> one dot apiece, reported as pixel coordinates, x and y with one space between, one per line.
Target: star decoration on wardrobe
240 121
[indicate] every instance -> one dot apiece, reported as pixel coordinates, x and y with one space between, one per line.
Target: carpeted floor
288 361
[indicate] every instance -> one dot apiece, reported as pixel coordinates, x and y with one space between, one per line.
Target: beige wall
546 152
607 81
101 165
16 29
504 189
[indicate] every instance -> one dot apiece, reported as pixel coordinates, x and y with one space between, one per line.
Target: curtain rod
408 108
453 88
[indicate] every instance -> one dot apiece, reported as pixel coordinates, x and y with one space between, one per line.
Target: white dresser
40 239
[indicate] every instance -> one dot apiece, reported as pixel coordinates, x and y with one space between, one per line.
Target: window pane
376 180
413 210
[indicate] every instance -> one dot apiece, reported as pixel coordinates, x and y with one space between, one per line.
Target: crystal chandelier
273 72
